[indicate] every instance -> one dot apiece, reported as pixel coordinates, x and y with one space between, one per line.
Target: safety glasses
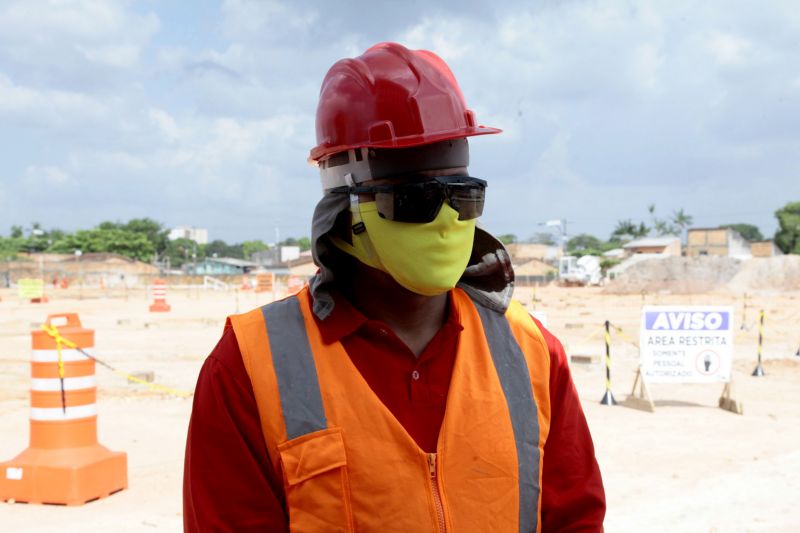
421 201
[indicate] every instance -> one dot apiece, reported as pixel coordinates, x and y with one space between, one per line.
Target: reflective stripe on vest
303 412
298 384
512 369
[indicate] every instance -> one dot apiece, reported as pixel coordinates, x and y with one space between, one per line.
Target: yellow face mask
427 259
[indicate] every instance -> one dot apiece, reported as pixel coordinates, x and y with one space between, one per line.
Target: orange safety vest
348 465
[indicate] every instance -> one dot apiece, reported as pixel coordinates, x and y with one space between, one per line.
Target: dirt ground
689 466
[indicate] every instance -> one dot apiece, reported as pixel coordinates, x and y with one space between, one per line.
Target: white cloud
130 112
47 107
728 49
265 18
84 45
43 176
166 125
125 55
554 163
647 61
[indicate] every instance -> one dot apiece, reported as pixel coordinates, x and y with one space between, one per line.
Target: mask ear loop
359 229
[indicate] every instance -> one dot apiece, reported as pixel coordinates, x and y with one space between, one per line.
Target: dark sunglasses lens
468 201
415 203
421 202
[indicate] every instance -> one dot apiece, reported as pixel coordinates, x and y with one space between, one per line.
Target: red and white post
159 291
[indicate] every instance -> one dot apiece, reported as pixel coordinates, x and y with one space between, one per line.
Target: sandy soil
689 466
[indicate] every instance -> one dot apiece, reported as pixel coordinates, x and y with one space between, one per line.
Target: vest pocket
317 483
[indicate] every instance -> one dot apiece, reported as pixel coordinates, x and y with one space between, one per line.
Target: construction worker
402 389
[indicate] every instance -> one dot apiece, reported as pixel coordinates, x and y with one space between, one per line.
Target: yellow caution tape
60 340
59 344
590 336
747 329
61 374
625 337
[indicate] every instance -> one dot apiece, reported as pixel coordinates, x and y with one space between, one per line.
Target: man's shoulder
256 314
524 321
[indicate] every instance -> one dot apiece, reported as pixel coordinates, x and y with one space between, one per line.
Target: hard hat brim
321 152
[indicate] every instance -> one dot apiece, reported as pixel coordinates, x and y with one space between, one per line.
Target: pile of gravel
677 275
780 273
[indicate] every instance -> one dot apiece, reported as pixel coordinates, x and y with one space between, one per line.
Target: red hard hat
391 97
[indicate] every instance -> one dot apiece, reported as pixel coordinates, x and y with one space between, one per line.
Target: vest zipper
437 496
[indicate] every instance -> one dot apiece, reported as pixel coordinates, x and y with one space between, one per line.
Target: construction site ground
689 466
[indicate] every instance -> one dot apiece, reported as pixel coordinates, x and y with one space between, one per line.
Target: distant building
669 245
220 266
277 255
303 270
615 253
533 271
725 242
764 249
198 235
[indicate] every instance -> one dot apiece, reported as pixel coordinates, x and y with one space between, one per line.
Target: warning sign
29 288
692 344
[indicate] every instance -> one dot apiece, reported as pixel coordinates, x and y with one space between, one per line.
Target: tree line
787 236
143 239
146 240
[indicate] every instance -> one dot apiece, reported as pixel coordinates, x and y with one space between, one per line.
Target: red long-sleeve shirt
229 484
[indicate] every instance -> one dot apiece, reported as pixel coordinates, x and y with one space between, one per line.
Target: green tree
251 247
118 241
585 244
662 226
682 219
542 238
303 242
788 235
182 251
508 238
16 232
108 225
10 247
627 230
39 239
748 231
220 248
152 230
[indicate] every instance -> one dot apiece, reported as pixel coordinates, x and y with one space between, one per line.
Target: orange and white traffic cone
159 291
64 463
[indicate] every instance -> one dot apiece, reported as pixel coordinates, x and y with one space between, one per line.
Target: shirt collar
345 319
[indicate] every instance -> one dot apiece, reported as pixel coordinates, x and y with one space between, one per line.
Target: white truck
579 271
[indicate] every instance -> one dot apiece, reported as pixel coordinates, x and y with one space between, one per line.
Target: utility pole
561 226
78 254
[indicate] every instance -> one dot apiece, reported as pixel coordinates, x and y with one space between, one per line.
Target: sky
202 113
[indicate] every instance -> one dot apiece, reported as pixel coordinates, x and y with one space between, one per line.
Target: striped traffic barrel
159 291
64 463
68 419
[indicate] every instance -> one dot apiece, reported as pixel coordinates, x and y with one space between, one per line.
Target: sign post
759 370
608 397
686 344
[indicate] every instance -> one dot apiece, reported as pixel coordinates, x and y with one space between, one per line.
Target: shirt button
383 332
415 375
